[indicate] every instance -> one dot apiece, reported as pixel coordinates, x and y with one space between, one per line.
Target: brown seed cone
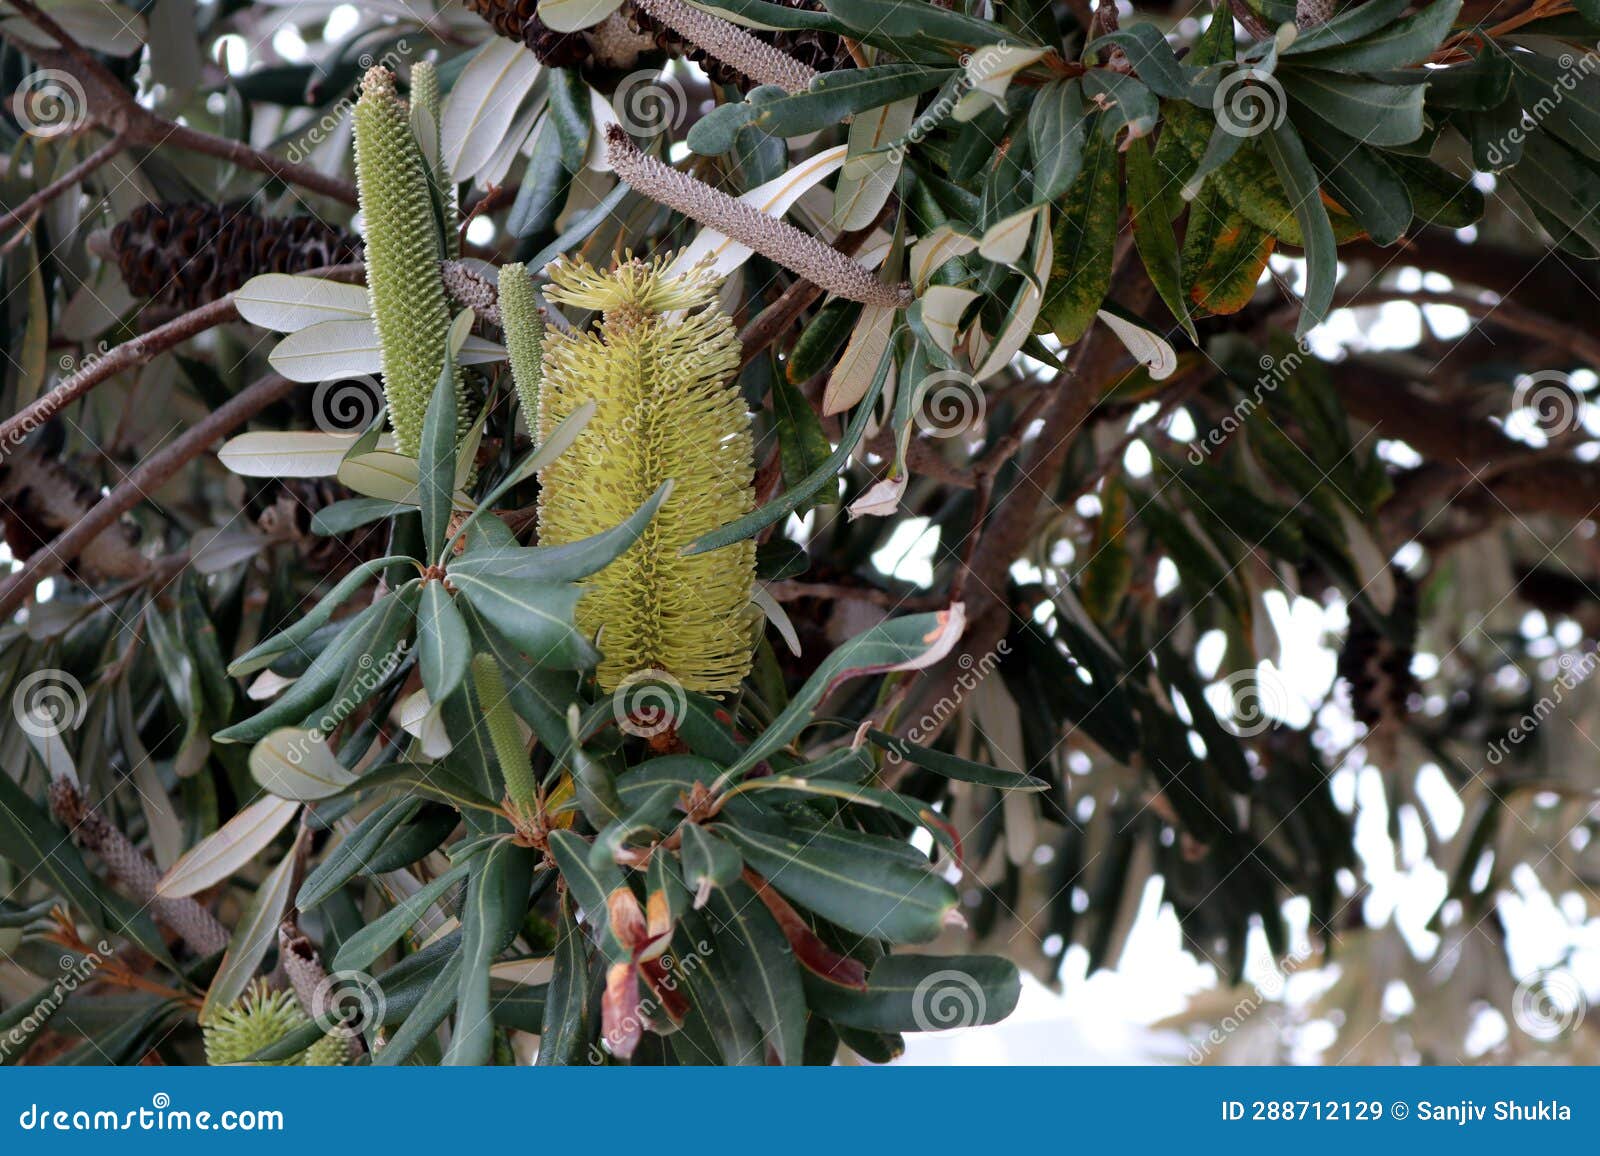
130 867
519 20
1376 663
192 253
42 497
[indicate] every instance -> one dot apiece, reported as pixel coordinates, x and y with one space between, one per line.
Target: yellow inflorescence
665 408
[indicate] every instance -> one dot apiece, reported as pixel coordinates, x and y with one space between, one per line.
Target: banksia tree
666 409
403 251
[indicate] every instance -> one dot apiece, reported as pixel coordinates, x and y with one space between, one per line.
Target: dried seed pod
188 254
666 409
519 20
41 498
1376 661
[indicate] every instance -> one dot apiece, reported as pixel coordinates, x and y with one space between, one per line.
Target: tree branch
145 478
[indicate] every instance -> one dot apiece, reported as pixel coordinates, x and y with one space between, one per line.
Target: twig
111 106
130 354
145 479
72 176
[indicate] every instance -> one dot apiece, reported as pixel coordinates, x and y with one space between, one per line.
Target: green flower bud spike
505 736
666 408
425 114
403 254
524 332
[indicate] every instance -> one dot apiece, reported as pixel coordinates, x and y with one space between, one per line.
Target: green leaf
913 642
1152 58
352 514
1126 102
923 993
795 496
1348 26
821 340
837 96
567 1007
708 862
364 947
441 781
764 973
436 464
1370 112
497 902
916 24
860 891
31 841
1056 131
261 655
1361 180
543 178
569 563
1406 41
430 1011
568 110
590 884
443 649
954 767
1288 155
536 617
560 438
350 856
1554 179
1085 238
1438 196
1152 232
802 443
